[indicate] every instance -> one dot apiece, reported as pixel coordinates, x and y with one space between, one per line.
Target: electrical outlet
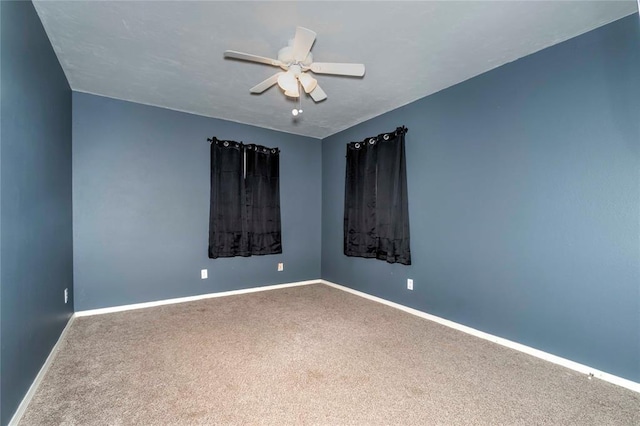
409 284
280 267
66 296
203 274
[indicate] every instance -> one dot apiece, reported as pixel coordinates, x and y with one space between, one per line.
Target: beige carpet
305 355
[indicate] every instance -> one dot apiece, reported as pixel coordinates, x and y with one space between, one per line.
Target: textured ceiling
170 53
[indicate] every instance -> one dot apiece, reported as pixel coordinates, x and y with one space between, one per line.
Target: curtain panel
244 213
376 211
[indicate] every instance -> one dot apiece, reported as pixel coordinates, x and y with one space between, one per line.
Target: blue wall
524 202
35 226
141 205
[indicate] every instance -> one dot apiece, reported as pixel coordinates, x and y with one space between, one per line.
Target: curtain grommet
226 143
357 145
372 141
386 137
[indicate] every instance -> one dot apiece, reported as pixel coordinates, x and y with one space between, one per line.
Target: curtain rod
386 136
215 139
250 146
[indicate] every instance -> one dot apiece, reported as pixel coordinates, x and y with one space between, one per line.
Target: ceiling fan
296 59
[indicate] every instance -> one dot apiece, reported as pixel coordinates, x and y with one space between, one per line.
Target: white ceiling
170 53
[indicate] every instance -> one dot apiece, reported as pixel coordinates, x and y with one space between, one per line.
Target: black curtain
376 211
244 213
263 200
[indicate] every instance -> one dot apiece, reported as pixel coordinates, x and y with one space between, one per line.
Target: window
376 212
244 213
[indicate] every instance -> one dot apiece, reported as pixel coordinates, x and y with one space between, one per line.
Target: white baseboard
191 298
36 382
589 371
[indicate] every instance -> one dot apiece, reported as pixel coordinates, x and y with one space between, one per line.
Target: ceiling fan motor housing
285 55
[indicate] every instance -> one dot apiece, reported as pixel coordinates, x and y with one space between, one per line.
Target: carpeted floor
305 355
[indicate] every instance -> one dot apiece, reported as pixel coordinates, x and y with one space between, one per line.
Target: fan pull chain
295 112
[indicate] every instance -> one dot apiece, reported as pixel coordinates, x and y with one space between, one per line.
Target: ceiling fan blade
318 94
302 43
356 70
261 87
252 58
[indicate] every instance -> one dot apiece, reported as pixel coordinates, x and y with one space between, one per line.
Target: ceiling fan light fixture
292 93
288 83
308 83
